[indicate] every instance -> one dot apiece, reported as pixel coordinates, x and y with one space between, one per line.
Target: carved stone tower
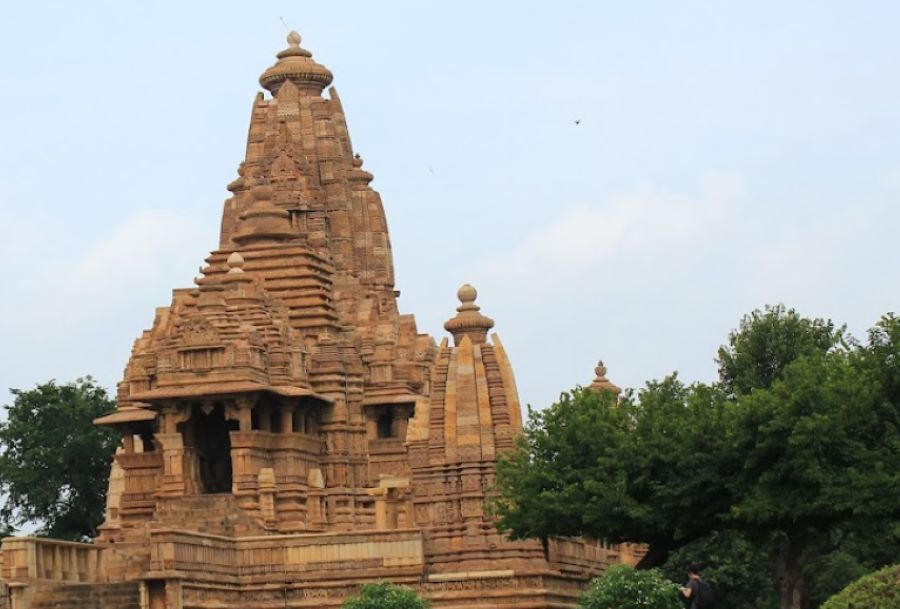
287 433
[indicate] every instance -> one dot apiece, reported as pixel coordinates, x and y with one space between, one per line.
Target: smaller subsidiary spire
236 274
469 321
263 222
358 174
601 383
296 65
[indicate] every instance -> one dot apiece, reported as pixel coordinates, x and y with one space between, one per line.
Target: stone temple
288 434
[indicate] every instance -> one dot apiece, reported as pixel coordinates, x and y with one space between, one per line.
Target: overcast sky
728 155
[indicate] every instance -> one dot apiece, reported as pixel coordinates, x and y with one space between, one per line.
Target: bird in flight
577 121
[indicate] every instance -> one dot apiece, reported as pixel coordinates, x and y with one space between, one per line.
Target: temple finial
235 263
469 321
602 383
357 173
295 64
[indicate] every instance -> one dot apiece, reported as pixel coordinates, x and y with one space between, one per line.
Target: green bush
385 596
829 574
879 590
623 587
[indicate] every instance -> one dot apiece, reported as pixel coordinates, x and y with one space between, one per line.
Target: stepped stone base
210 514
89 596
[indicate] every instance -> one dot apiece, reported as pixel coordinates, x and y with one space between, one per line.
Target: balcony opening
213 445
386 426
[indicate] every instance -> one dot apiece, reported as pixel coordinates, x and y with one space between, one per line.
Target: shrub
385 596
831 573
623 587
879 590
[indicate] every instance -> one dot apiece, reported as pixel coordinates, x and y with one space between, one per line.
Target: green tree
650 469
817 457
385 596
54 462
766 342
576 441
794 448
623 587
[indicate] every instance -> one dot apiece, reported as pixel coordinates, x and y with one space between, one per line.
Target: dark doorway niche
213 446
386 426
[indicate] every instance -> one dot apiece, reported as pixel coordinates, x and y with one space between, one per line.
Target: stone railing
581 556
372 554
34 558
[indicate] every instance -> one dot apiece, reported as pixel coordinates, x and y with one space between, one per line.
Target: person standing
696 590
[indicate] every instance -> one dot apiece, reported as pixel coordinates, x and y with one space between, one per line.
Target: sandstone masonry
287 433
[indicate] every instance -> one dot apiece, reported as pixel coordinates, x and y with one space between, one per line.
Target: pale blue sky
729 155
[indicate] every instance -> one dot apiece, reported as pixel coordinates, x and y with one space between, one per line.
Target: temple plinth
287 433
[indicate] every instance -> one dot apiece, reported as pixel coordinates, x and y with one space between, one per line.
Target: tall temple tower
287 433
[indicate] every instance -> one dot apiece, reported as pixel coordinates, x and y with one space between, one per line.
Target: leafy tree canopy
640 469
766 342
795 447
385 596
54 463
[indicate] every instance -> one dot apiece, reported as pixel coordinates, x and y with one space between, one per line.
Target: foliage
633 470
766 342
54 463
577 440
739 570
821 454
795 449
879 590
623 587
812 448
385 596
829 574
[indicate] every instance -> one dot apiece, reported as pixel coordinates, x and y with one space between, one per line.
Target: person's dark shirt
694 586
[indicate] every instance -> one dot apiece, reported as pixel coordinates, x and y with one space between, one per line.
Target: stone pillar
241 411
57 572
114 492
287 418
177 479
174 483
267 495
264 416
316 511
20 595
391 498
379 495
241 470
173 594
